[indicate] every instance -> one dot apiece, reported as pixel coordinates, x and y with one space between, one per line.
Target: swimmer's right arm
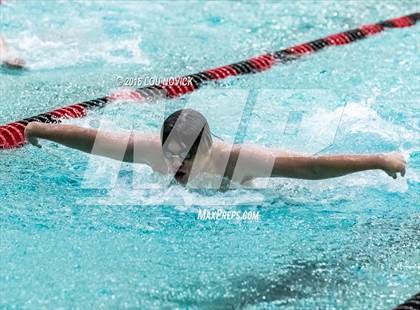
139 148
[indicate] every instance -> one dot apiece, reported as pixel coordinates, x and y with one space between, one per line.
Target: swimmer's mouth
181 176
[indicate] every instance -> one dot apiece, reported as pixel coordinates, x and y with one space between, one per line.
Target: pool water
78 231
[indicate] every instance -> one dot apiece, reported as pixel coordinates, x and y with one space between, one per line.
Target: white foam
56 49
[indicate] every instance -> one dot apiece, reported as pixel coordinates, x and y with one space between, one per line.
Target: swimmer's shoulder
148 147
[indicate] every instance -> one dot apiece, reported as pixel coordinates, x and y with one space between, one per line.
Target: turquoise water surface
77 231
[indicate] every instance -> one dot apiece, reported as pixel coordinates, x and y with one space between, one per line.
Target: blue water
75 234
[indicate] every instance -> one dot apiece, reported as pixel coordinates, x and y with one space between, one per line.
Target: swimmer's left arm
325 167
267 163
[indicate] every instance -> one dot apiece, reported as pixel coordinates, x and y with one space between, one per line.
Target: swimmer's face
180 161
186 140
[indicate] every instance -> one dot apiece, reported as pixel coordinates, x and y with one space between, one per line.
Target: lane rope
412 304
12 134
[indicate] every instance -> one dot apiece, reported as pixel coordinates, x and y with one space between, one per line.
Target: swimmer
8 59
185 149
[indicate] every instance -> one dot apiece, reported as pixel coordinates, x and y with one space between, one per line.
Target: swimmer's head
185 135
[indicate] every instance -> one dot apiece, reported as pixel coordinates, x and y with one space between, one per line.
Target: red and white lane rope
12 134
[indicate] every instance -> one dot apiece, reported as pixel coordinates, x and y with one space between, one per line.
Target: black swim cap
188 127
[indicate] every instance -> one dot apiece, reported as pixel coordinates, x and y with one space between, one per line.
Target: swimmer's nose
176 162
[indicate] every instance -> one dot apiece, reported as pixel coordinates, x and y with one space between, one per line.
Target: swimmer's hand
7 58
30 134
393 163
14 63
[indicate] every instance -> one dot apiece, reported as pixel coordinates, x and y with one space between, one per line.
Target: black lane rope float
412 304
12 134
